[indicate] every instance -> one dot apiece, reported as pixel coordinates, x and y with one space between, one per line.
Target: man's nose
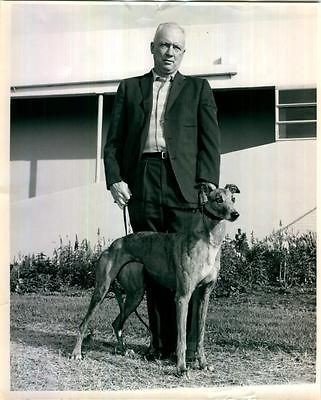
170 50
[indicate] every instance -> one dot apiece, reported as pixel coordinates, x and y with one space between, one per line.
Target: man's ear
152 47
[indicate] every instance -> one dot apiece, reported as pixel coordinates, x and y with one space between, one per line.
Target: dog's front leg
181 311
204 295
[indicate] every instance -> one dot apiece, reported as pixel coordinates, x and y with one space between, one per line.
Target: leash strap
126 221
202 200
129 230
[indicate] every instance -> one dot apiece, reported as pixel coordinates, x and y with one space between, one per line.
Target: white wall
268 45
277 182
271 53
37 224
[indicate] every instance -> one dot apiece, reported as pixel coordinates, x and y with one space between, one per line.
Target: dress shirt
155 141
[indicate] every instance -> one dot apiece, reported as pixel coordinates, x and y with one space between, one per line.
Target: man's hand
207 186
210 186
121 193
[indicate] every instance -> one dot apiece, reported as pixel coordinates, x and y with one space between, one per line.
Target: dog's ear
232 188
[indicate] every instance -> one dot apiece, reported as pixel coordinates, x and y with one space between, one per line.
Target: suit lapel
177 86
146 86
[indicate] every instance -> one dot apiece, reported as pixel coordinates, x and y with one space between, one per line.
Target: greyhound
180 261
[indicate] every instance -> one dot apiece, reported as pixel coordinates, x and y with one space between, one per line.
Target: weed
282 259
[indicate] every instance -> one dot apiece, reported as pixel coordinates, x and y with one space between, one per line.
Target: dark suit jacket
190 128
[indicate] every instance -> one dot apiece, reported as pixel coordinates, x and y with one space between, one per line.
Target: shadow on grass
65 343
250 344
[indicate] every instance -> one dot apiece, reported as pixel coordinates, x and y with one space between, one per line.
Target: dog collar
208 213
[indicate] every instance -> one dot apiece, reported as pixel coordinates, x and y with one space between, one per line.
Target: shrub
230 279
283 260
33 273
72 266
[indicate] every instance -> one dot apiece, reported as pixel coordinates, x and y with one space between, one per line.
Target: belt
157 154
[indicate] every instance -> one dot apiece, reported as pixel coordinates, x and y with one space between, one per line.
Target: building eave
108 86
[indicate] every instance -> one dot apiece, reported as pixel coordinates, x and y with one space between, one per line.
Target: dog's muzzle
234 215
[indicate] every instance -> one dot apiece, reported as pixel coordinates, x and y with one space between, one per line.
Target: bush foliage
283 259
71 266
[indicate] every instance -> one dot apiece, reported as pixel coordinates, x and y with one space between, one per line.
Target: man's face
168 49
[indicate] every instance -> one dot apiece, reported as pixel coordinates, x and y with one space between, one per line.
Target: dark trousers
158 205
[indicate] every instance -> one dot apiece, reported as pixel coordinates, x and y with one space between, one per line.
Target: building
66 62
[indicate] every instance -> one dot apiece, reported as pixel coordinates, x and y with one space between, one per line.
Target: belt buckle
164 155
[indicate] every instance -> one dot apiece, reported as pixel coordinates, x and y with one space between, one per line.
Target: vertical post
99 136
277 111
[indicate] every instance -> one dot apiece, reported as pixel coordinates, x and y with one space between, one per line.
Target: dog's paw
202 363
192 364
76 356
130 353
120 350
203 366
89 337
182 372
152 355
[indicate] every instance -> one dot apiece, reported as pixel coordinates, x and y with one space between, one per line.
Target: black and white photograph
162 199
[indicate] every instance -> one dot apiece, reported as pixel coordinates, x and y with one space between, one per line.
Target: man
163 140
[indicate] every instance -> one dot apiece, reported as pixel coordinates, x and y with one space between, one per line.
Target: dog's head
220 203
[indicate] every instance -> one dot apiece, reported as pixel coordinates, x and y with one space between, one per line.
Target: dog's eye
218 199
233 199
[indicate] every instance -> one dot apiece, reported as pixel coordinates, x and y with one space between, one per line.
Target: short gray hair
168 25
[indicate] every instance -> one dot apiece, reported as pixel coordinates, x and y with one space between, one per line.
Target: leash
201 206
128 230
202 200
127 225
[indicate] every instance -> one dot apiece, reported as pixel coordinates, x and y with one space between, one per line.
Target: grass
267 338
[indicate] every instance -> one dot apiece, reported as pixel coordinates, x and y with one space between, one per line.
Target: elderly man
163 140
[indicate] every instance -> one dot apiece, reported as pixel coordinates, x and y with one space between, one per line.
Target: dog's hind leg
131 278
97 298
108 266
120 348
103 282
